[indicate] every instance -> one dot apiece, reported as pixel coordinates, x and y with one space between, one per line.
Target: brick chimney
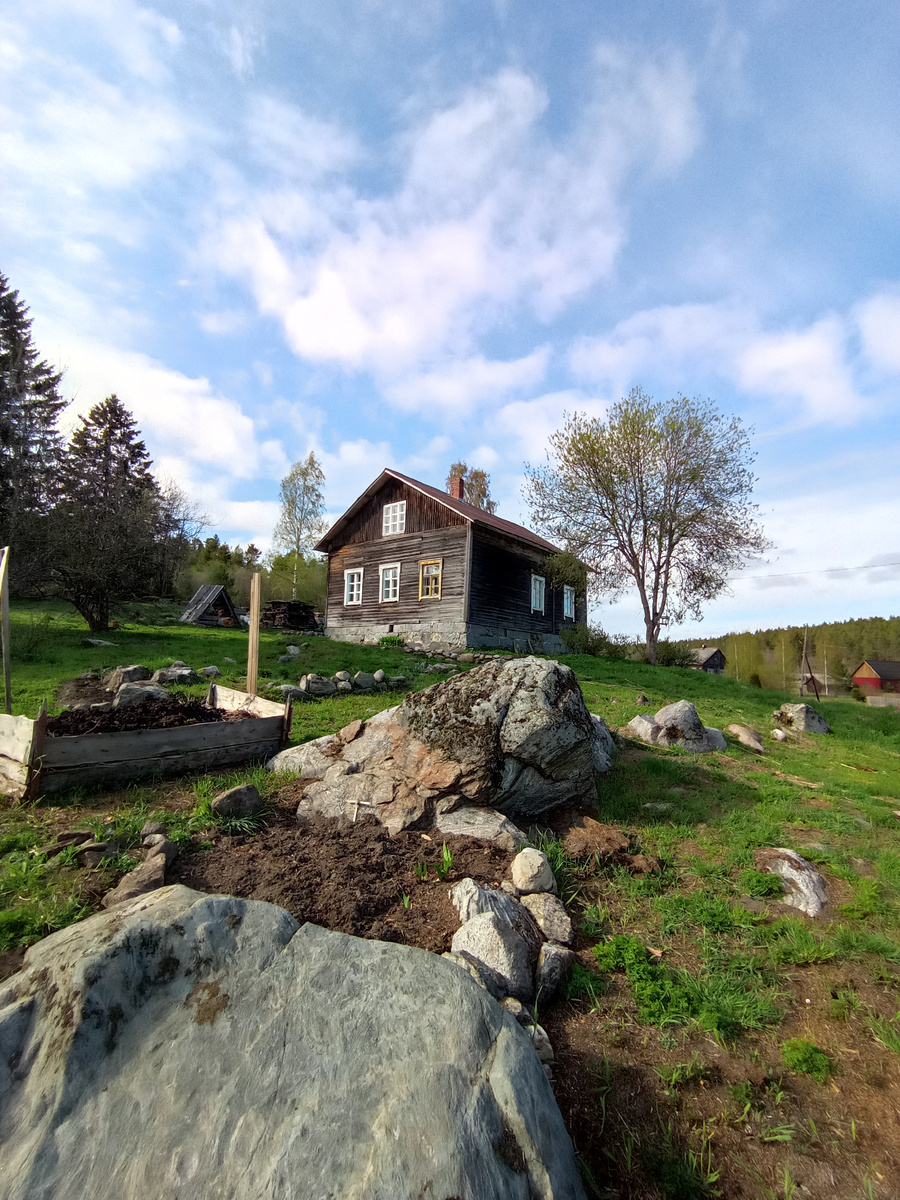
457 488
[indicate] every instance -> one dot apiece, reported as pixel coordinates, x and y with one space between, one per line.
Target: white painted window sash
569 602
353 585
394 518
393 582
537 593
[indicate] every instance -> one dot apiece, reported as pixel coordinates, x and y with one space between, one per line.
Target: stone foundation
450 635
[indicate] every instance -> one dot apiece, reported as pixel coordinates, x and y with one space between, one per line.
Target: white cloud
879 327
222 323
289 142
525 426
459 387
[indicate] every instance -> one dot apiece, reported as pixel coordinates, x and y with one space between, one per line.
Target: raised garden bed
33 762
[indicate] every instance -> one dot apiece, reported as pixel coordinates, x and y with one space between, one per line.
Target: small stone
465 658
344 685
102 706
554 964
146 878
551 916
210 672
97 642
510 890
397 683
91 854
642 699
340 676
72 837
747 737
132 674
483 823
470 900
531 872
150 828
285 658
292 650
363 681
177 673
379 676
778 735
492 942
131 694
661 806
350 732
541 1042
518 1010
229 660
242 801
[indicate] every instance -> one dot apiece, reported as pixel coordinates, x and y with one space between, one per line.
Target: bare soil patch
154 714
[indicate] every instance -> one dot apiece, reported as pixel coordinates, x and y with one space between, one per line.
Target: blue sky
401 232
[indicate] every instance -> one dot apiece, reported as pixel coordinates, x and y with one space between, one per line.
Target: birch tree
300 525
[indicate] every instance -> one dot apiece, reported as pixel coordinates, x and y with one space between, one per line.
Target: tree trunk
294 589
651 639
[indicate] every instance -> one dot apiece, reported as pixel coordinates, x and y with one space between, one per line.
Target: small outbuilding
709 659
211 605
877 675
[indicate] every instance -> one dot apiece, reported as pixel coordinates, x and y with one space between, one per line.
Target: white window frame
393 519
394 566
568 602
541 589
360 571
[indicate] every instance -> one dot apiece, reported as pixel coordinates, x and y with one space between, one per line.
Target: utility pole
783 671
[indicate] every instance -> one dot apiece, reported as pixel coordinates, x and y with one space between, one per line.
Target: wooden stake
253 647
4 624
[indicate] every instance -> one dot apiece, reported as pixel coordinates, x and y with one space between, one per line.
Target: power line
818 571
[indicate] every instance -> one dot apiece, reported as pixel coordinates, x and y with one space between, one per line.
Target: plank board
98 749
16 737
233 701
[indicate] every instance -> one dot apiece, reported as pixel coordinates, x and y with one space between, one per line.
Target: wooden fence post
4 624
253 647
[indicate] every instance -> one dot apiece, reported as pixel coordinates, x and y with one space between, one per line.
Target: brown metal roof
883 668
469 511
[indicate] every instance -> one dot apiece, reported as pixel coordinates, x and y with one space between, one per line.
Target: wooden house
709 659
411 560
877 675
211 605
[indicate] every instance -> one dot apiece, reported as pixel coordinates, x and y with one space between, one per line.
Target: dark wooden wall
408 549
422 515
500 587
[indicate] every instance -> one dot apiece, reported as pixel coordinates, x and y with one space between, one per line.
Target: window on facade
569 603
430 579
353 586
537 593
394 519
390 581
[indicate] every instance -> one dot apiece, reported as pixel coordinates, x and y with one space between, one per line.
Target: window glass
537 593
390 582
353 586
394 520
430 580
569 602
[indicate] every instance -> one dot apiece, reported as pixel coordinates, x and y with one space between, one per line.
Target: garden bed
237 728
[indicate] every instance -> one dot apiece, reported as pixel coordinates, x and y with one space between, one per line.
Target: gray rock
802 719
530 871
102 706
642 699
643 728
522 1014
91 854
134 674
715 740
484 823
804 886
229 660
492 941
242 801
379 676
540 1042
604 747
465 658
285 658
318 685
97 642
778 735
210 672
363 681
550 914
157 844
149 828
483 976
747 737
660 806
677 725
149 876
130 694
311 760
397 683
175 674
291 690
341 677
292 650
210 1045
471 900
554 964
344 685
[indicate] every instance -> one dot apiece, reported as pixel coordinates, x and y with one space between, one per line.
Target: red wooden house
877 675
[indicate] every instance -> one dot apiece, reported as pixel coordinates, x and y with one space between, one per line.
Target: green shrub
391 639
761 884
674 654
592 639
804 1058
856 693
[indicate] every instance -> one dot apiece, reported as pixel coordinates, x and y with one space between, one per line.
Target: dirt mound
155 714
352 877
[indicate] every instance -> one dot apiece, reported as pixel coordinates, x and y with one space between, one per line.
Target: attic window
394 519
537 593
569 602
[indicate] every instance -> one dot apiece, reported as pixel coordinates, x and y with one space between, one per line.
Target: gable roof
477 516
704 653
883 668
201 600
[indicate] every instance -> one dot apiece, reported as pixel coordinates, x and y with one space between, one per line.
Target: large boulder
514 735
133 674
677 725
200 1045
804 887
130 694
801 718
177 673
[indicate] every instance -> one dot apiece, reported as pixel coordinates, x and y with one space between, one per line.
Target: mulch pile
154 714
347 876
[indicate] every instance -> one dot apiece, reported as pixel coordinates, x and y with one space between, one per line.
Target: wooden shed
877 675
412 561
211 605
709 659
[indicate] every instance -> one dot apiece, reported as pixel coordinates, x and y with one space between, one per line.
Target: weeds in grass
676 1075
867 901
886 1032
582 984
595 921
35 895
565 870
203 817
698 909
686 1174
788 940
804 1058
843 1004
852 943
761 884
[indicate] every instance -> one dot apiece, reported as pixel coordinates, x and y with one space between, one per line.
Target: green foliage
886 1032
674 654
761 884
594 641
582 984
444 866
677 1075
564 569
391 639
700 910
804 1058
476 486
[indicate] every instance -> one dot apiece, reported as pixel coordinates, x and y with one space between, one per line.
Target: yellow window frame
431 562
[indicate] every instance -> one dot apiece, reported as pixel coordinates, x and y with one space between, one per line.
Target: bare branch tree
655 497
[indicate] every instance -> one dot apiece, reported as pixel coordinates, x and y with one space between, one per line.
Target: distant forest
771 657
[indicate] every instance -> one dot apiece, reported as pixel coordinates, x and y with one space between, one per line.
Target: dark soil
155 714
345 876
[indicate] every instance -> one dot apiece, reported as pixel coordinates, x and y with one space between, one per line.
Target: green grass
804 1058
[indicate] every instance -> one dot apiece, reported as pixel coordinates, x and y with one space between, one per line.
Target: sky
404 232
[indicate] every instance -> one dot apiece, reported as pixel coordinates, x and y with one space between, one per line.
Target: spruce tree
30 404
109 518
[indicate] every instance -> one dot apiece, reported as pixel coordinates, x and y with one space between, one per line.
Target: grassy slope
733 984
